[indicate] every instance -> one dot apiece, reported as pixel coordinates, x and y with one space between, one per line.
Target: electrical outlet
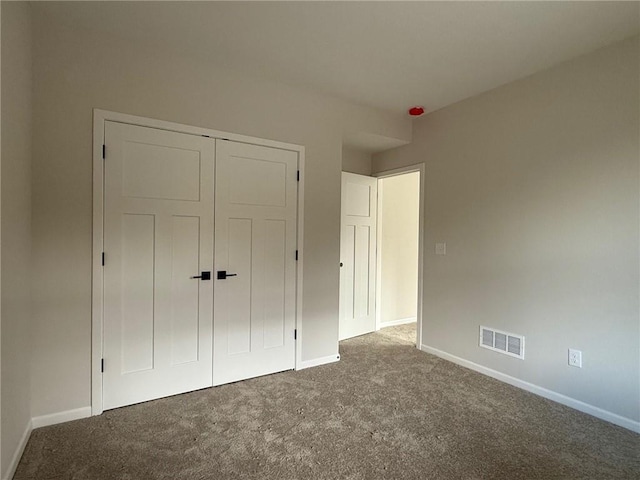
575 358
441 248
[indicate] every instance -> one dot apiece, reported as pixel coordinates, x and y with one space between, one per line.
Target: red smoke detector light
416 111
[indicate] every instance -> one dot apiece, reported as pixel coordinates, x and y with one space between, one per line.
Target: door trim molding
420 167
100 117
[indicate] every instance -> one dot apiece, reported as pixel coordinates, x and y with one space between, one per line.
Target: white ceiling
388 55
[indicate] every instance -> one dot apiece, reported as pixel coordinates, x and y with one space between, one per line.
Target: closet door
255 250
158 239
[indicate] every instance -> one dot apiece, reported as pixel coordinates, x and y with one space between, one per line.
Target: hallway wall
398 216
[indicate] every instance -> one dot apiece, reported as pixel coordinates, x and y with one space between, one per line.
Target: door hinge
296 255
104 151
103 259
298 176
102 365
295 334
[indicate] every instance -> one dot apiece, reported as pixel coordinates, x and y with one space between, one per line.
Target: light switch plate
441 248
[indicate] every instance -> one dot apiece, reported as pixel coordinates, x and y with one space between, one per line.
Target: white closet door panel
258 182
274 283
185 293
158 226
160 171
138 241
236 290
256 204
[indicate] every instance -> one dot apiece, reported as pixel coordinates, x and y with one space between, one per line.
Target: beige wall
356 161
76 71
16 227
399 246
534 188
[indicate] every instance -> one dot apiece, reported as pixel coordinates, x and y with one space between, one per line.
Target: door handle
203 276
222 274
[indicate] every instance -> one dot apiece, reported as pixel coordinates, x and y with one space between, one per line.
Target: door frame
420 168
97 281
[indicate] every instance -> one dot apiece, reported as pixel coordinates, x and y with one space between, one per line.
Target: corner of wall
15 205
11 468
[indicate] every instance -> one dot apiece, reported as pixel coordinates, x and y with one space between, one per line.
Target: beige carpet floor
385 411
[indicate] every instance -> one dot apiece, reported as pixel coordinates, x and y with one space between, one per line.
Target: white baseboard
42 421
318 361
597 412
400 321
17 455
60 417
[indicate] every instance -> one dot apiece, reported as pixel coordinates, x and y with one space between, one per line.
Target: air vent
502 342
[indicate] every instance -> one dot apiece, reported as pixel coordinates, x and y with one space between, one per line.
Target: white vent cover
503 342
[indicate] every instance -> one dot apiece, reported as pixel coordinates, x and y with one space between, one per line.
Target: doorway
397 254
384 267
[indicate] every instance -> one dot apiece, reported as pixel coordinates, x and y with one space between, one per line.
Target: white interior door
358 255
158 224
255 244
